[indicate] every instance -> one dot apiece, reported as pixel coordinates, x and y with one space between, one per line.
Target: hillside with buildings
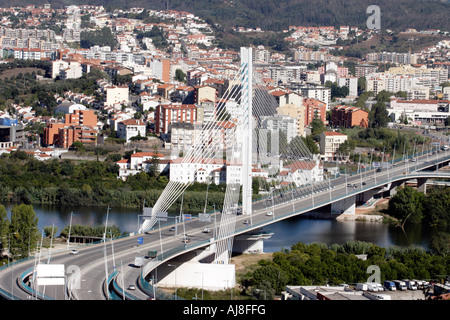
162 76
279 15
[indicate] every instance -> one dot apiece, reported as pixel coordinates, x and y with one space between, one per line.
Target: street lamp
70 227
175 267
202 283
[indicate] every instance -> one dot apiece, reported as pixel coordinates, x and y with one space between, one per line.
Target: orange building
68 135
166 114
81 117
313 107
78 126
51 133
347 117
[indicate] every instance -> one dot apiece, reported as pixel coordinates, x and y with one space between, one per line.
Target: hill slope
278 15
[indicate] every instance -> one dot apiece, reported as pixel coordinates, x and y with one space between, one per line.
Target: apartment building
347 117
281 122
320 93
183 135
81 125
351 83
67 135
131 128
363 70
314 107
141 162
168 113
295 112
160 68
117 95
329 144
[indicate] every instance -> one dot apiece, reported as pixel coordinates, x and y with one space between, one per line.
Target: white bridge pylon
239 133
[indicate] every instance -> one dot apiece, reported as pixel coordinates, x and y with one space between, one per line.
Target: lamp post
70 227
175 267
202 283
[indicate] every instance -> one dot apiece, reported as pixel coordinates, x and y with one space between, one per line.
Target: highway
120 253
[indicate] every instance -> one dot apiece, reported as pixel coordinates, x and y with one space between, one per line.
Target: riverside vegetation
24 179
321 264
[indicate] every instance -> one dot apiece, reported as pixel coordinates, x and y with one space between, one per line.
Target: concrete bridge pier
197 270
345 206
422 185
250 243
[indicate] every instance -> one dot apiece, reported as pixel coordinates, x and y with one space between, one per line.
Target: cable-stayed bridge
237 132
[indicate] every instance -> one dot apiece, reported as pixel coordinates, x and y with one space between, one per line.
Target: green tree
440 243
317 126
78 146
378 115
310 144
346 147
406 204
180 75
437 207
4 227
24 226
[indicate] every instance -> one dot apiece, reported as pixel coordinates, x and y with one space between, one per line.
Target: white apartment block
351 83
281 122
66 69
117 95
418 93
329 144
183 135
320 93
377 82
131 128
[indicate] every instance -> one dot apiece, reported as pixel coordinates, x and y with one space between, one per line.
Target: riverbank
371 213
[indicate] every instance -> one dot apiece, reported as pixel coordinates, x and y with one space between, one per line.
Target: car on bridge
74 251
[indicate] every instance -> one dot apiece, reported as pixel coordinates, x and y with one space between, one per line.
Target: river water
286 232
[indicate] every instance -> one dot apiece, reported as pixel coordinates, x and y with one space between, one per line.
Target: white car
270 213
206 230
74 251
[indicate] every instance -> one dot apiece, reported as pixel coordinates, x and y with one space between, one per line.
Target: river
286 232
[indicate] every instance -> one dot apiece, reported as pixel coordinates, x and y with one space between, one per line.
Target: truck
410 284
390 285
361 286
371 286
401 285
138 261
